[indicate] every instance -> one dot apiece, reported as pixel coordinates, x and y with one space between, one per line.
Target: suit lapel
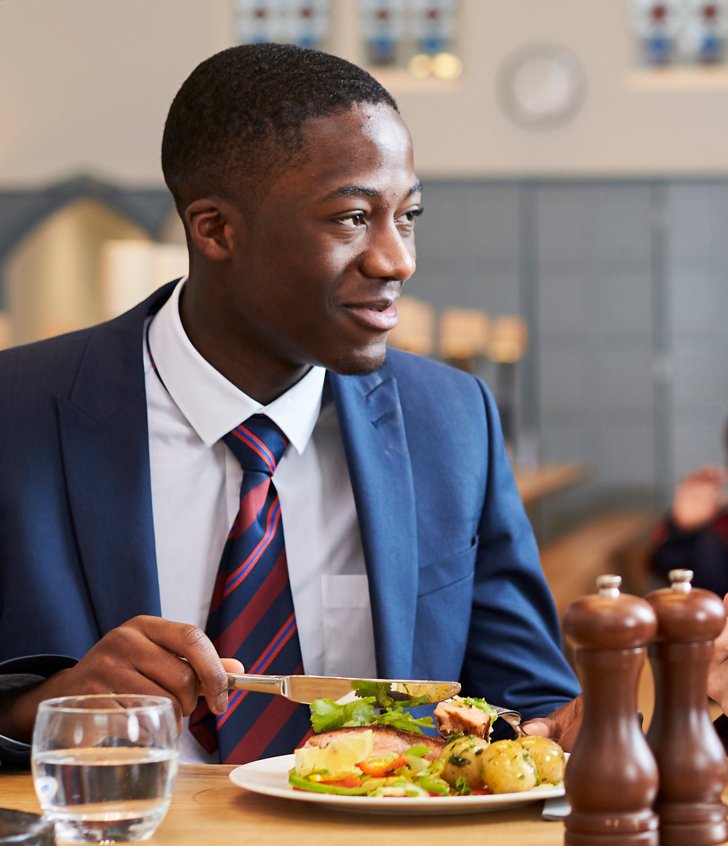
105 450
370 418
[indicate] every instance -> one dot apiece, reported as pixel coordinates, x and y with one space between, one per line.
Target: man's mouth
380 315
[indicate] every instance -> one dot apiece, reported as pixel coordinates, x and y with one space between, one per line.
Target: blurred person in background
694 535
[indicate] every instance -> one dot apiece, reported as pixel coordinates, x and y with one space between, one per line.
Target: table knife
307 688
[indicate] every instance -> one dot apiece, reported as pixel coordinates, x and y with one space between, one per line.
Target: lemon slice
339 756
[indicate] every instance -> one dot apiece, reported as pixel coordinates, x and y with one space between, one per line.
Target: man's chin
361 364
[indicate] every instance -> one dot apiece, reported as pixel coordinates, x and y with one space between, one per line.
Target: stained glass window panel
419 34
302 22
702 40
680 32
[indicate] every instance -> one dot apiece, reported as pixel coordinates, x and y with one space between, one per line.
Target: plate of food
379 761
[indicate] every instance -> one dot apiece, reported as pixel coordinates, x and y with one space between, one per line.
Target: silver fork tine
513 718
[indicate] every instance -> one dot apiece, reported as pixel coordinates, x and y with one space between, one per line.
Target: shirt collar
213 405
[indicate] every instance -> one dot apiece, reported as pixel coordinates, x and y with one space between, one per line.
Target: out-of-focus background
573 251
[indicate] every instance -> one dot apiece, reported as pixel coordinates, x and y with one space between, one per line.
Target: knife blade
305 689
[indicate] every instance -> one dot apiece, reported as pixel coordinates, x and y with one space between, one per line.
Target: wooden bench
606 543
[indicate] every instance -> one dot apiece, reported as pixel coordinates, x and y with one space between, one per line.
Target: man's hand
561 726
718 668
145 655
699 497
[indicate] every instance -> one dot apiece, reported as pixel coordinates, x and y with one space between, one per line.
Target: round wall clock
542 85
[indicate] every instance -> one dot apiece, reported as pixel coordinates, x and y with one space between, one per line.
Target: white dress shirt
195 496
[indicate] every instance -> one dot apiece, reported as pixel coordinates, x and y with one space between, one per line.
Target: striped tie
251 613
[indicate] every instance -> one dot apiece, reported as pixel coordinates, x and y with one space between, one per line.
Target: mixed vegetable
360 750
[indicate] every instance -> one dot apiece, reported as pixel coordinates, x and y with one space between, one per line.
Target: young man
407 547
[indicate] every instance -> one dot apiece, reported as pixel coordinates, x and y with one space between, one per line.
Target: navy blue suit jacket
456 586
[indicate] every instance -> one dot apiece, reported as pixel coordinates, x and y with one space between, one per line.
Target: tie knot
258 444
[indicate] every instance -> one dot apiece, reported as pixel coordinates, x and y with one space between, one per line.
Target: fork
513 718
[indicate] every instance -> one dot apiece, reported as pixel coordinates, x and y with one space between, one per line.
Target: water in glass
115 783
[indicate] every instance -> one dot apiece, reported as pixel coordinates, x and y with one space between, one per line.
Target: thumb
539 728
232 665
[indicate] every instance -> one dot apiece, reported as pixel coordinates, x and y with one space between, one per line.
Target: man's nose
389 255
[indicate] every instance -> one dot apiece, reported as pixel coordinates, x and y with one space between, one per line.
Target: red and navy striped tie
251 613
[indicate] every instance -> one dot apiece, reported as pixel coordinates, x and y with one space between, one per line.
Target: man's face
319 263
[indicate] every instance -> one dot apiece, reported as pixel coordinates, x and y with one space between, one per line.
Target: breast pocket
448 572
444 604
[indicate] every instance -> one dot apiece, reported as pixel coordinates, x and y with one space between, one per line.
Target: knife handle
259 684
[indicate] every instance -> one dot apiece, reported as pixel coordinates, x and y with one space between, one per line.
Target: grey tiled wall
625 288
697 290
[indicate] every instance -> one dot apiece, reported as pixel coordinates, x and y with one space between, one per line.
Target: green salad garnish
382 693
327 715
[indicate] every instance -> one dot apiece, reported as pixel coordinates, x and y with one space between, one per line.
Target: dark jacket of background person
703 550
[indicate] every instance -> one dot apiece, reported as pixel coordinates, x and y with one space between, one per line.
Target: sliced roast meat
453 717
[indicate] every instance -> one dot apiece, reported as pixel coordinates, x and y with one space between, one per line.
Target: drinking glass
18 828
104 765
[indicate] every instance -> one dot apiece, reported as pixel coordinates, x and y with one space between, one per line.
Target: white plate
269 777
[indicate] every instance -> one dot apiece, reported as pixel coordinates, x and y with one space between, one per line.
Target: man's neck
261 377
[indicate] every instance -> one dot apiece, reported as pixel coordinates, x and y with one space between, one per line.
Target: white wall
85 85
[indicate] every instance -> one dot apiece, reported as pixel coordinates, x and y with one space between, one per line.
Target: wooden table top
208 809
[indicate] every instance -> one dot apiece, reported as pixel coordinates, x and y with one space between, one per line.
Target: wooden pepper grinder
611 777
690 756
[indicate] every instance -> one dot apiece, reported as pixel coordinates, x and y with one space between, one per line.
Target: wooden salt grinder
611 777
690 756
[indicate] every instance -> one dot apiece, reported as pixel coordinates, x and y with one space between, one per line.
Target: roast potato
548 757
461 759
507 767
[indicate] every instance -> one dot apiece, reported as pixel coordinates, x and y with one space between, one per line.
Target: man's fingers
718 668
561 726
232 665
166 643
537 728
192 644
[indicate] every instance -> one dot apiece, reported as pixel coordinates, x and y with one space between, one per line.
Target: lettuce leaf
327 715
381 691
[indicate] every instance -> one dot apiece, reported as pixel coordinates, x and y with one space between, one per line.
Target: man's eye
409 217
353 220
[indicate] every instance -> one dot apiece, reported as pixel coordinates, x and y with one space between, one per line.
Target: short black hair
240 114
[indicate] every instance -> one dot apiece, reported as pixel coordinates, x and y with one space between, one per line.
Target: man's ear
209 222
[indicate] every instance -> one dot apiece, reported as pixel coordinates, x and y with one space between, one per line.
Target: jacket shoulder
435 379
52 363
